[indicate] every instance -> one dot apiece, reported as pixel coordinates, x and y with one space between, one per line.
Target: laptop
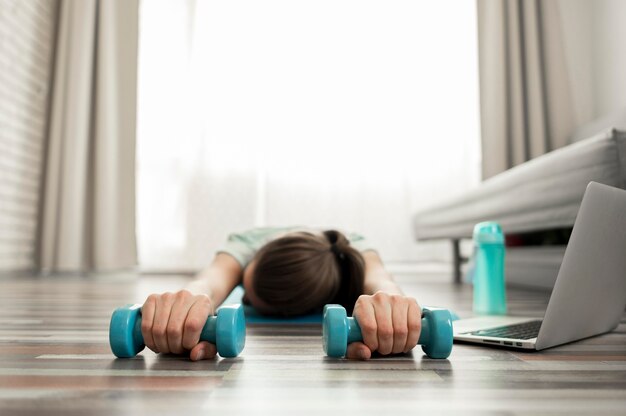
589 295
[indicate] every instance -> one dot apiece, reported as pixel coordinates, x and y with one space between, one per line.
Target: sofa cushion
540 194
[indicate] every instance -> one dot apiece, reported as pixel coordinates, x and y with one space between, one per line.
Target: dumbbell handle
339 330
227 331
355 335
208 333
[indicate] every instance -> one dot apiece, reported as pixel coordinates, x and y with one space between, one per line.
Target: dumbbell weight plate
441 332
230 330
335 331
122 335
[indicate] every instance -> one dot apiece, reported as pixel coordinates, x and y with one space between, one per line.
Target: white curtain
327 113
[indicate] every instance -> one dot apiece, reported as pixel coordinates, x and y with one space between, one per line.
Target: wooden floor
55 359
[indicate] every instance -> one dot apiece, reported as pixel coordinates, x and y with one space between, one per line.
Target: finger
203 351
194 322
400 326
147 319
382 310
358 351
161 318
414 322
364 315
175 325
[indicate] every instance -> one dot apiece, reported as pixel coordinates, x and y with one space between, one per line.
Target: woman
288 271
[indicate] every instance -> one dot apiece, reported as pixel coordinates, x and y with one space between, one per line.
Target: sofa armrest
540 194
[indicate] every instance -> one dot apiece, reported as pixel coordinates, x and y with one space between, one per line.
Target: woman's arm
218 279
376 277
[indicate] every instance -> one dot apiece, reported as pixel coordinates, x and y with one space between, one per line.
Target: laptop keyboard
525 330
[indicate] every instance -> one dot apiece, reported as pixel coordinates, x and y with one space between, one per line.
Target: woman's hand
172 323
390 324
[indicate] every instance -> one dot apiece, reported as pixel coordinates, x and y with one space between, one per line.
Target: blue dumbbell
339 330
227 330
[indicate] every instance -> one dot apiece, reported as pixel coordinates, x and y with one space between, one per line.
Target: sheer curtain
327 113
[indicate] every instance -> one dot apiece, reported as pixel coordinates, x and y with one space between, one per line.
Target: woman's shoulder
257 234
261 235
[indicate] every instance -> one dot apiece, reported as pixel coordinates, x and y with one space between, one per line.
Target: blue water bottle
489 289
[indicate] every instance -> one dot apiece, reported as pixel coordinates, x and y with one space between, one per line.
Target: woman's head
300 272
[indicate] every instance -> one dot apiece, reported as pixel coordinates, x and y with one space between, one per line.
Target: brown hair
301 272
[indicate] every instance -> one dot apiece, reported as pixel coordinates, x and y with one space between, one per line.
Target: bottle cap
488 232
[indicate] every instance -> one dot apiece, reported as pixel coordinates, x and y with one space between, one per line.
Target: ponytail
351 269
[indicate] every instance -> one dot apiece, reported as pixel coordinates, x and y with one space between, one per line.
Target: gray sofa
541 194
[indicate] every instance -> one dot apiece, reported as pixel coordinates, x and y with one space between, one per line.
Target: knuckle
159 330
362 299
193 325
380 297
151 298
182 294
146 326
401 332
416 325
385 332
368 326
204 300
167 296
174 330
396 298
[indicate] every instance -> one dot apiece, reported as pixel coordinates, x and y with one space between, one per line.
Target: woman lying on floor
287 272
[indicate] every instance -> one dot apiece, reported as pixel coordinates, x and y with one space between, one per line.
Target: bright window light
351 114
